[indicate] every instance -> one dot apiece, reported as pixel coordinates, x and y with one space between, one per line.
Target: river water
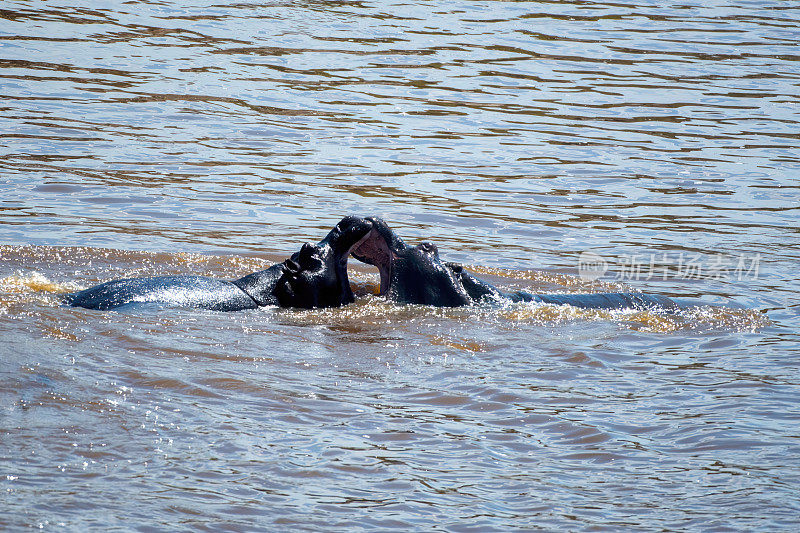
552 146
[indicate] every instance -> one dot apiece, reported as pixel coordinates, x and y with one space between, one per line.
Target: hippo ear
346 234
458 268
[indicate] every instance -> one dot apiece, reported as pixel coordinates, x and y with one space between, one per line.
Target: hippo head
416 274
316 276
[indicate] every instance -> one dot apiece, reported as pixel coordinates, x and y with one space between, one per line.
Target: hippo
416 275
316 276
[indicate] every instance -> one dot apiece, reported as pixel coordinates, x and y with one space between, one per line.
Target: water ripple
516 135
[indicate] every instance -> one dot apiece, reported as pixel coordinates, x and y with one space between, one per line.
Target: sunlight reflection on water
163 138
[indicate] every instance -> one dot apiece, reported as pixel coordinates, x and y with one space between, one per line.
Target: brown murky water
553 146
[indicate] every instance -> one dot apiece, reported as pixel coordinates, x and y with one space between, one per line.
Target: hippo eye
428 247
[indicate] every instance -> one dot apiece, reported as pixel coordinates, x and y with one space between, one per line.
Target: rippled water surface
655 144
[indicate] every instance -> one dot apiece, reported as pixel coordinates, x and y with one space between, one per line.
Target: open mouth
363 241
374 250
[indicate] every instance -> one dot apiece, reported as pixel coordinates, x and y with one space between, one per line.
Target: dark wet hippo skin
416 275
316 276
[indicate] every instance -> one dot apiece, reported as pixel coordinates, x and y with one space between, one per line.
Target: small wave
27 282
696 318
370 311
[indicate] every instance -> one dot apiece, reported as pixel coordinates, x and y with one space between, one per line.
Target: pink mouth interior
372 249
